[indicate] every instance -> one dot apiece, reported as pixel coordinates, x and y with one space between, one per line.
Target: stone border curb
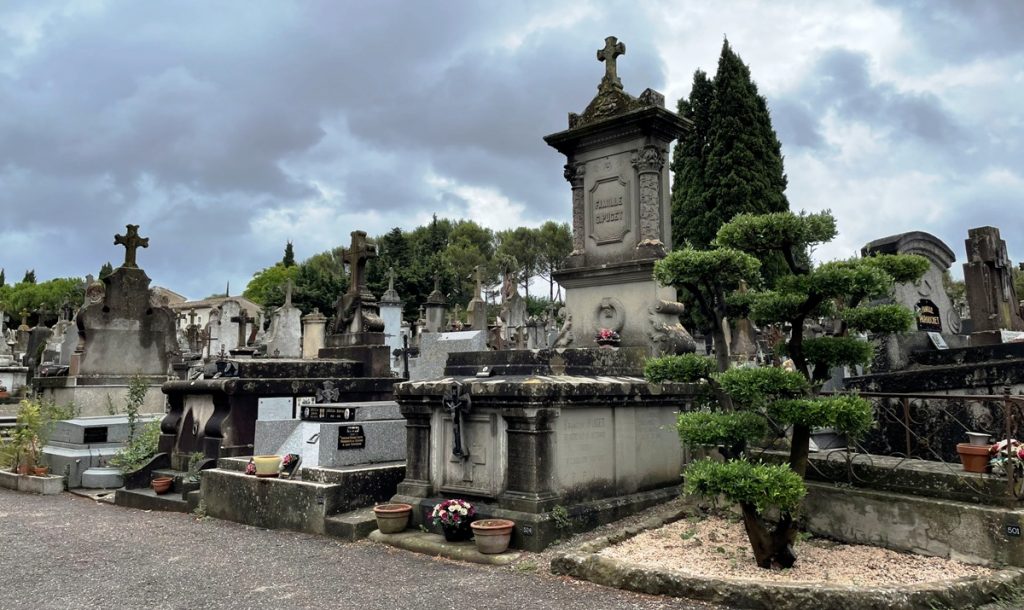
584 563
435 544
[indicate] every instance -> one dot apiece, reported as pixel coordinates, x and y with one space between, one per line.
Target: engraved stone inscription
609 210
586 446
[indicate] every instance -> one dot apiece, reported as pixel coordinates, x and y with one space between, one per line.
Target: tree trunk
772 549
799 447
721 344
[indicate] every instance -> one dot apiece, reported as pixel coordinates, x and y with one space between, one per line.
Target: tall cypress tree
732 160
289 255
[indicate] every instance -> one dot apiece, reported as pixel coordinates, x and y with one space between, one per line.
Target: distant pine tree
731 162
30 277
3 280
106 270
289 255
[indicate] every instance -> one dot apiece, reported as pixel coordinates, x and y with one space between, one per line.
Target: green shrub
880 318
837 351
847 413
704 428
761 485
686 368
758 387
139 450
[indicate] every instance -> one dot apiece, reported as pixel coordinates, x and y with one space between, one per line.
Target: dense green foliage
758 387
446 249
139 450
685 367
762 486
845 412
42 299
879 319
837 351
698 428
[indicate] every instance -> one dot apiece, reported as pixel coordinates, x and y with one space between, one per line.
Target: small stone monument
616 151
314 326
435 308
358 332
990 293
391 314
124 329
477 309
285 337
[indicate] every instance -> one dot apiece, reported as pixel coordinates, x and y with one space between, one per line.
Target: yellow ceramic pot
267 465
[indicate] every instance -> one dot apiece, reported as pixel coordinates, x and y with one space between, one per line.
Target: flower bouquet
454 517
1007 456
607 337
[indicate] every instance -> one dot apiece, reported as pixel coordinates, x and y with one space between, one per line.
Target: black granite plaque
351 437
327 413
928 318
94 434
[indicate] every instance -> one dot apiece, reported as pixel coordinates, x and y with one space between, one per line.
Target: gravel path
71 552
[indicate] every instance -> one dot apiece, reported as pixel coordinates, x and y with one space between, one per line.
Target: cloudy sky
226 128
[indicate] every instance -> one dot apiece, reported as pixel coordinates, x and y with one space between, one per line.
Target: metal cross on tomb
131 241
243 320
612 49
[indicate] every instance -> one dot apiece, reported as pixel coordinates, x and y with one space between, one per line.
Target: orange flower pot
974 457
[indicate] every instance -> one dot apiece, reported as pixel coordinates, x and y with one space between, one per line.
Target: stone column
574 174
313 333
417 452
648 162
531 455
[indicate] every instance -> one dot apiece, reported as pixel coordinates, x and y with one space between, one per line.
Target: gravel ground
713 546
71 552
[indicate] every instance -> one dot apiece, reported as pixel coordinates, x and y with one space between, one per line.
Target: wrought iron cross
131 241
612 49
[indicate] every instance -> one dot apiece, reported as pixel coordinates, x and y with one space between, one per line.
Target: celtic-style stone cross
131 241
356 256
612 49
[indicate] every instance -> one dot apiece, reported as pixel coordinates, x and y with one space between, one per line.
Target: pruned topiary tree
753 401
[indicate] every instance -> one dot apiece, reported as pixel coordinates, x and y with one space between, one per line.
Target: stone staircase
183 497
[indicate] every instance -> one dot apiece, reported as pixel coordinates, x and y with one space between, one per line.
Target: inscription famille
609 209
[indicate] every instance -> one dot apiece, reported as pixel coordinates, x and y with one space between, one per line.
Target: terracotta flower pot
23 469
492 535
40 471
161 485
392 518
267 465
974 457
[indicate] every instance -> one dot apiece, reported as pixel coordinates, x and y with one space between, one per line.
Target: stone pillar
531 456
435 308
313 333
574 174
417 452
648 162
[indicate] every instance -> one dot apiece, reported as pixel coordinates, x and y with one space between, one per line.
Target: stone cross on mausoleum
612 49
356 256
243 320
131 241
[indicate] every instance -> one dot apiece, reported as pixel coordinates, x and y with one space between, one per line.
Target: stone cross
24 318
131 241
356 256
288 294
612 49
479 283
243 320
192 317
391 278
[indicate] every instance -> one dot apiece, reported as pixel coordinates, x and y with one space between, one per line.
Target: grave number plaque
351 437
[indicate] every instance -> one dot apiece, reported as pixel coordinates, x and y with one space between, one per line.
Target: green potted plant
26 436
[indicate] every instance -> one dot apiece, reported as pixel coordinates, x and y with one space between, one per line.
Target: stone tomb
333 435
436 347
621 216
927 298
599 446
218 416
85 445
124 329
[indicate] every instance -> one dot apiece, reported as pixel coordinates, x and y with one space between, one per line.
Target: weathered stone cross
243 320
356 256
192 317
131 241
612 49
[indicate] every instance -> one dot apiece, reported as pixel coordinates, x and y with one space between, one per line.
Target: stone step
102 478
147 499
351 526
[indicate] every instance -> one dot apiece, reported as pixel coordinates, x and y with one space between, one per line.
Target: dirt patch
714 546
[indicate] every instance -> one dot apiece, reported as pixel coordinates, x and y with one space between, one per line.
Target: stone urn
392 518
492 535
267 465
161 485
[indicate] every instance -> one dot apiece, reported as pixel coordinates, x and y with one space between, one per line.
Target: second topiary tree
748 403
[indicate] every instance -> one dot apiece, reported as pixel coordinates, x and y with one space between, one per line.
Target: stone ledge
436 545
49 485
584 563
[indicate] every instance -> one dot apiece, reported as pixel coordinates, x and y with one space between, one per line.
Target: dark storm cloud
962 30
196 119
